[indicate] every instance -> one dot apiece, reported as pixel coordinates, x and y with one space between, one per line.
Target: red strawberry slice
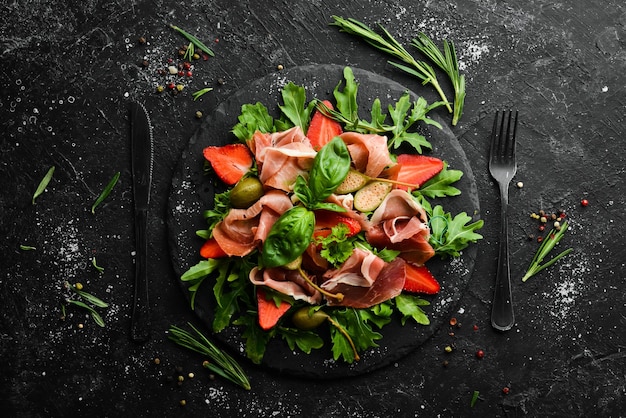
417 169
211 249
269 314
420 280
322 128
229 162
325 220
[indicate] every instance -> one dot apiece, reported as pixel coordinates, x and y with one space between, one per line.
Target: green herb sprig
544 249
449 63
43 184
86 301
105 193
196 95
388 44
194 41
220 362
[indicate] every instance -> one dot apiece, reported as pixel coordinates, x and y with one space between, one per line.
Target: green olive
246 192
306 319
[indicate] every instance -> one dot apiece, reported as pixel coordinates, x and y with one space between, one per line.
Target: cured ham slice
282 156
369 152
399 223
387 285
283 165
398 203
261 141
287 282
243 229
360 269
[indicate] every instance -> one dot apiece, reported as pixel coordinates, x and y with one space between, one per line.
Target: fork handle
502 317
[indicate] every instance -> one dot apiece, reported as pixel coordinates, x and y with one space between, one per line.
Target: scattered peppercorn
448 349
584 202
280 67
453 321
506 390
475 327
480 354
182 402
157 360
141 40
445 363
520 184
198 115
78 286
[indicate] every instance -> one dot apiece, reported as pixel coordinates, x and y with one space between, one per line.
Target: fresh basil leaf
330 168
303 192
289 237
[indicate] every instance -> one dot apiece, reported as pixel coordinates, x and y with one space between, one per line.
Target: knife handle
140 319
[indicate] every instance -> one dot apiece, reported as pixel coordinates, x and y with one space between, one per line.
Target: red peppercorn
506 390
181 73
542 227
188 73
186 65
584 202
480 354
475 327
539 239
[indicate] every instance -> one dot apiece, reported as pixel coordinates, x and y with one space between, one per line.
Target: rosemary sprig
546 246
449 63
43 184
96 266
195 41
86 301
105 192
220 362
388 44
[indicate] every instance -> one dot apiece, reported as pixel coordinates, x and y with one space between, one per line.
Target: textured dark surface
69 70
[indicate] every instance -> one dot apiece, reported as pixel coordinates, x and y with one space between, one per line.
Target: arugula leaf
196 274
451 235
346 98
356 323
294 105
253 117
409 307
440 185
306 341
256 339
221 207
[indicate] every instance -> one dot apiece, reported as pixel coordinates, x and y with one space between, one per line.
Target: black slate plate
192 193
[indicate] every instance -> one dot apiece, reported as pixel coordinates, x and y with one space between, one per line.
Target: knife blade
142 161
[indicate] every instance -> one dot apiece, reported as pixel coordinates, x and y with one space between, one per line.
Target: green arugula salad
326 222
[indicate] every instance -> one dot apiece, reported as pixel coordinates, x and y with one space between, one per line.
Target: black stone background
69 70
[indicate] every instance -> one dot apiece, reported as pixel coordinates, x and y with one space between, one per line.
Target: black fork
502 166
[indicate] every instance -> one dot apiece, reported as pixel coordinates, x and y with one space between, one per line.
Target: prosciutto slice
399 223
287 282
243 229
369 152
387 284
282 156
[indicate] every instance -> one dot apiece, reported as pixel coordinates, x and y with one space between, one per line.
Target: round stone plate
192 192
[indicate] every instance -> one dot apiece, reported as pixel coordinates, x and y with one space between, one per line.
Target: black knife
142 156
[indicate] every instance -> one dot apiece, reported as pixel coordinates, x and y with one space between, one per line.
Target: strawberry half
325 220
229 162
420 280
211 249
269 314
322 128
417 169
